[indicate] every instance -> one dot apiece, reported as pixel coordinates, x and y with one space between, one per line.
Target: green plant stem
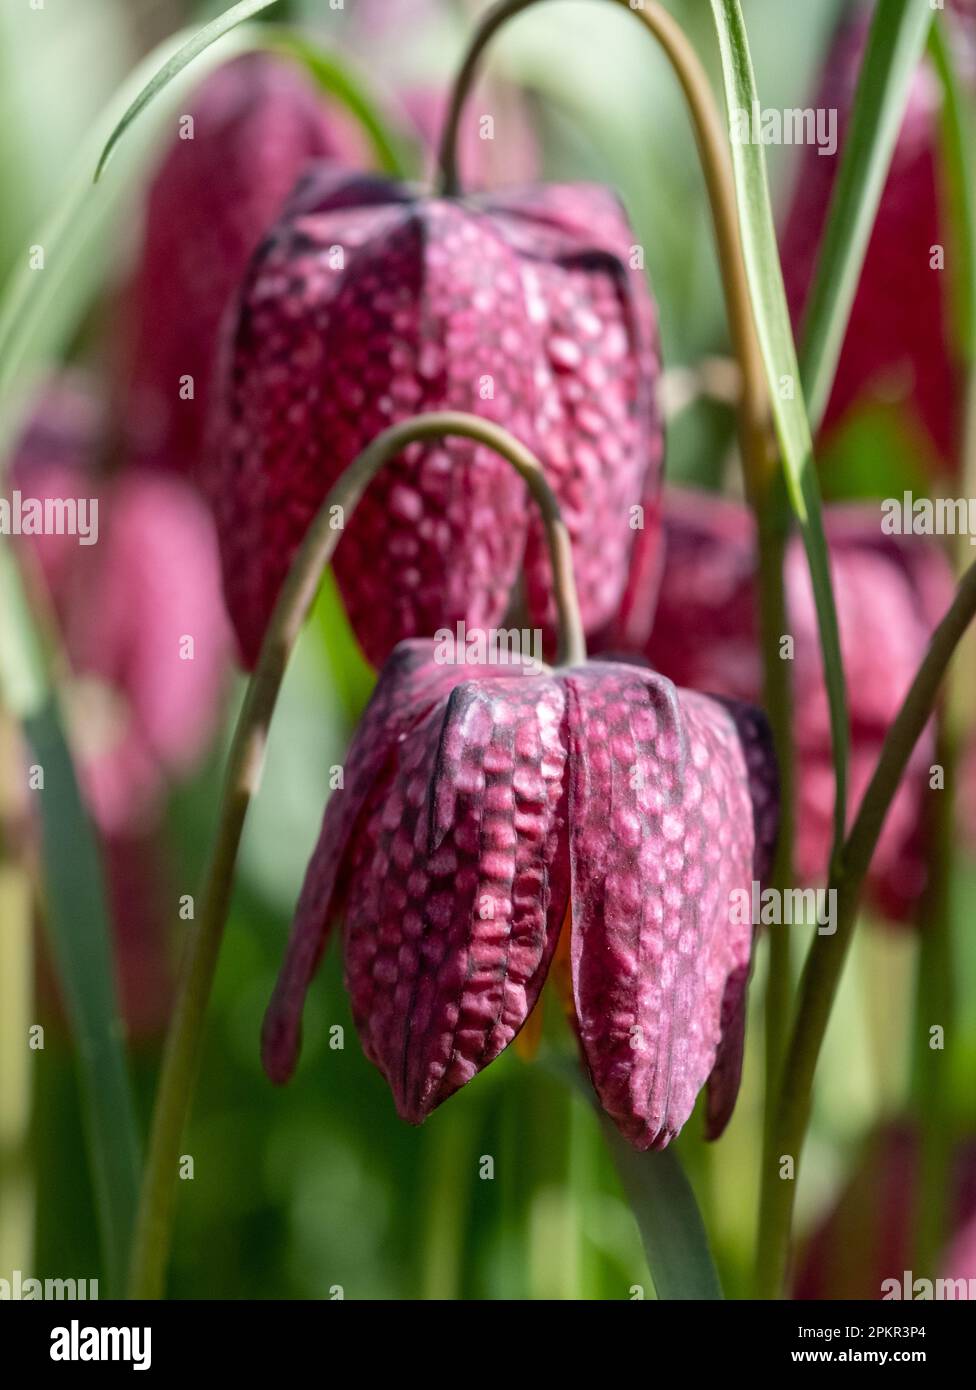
828 953
183 1045
778 700
754 416
17 1198
755 430
935 1006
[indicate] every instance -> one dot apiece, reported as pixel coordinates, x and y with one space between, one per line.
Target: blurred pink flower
891 592
868 1235
898 338
256 122
510 155
140 612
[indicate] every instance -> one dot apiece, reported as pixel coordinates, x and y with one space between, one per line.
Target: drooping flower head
485 809
368 304
898 343
256 121
891 591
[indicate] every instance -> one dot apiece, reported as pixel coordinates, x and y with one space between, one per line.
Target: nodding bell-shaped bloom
899 335
368 304
256 121
891 592
488 808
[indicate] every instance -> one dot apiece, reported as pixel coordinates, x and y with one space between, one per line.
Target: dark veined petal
662 832
366 305
756 739
459 887
359 311
891 591
411 685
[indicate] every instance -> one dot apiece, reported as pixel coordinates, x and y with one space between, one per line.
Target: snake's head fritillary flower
899 335
368 304
256 121
485 810
891 591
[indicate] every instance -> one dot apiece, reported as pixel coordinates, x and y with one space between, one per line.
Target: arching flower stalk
475 787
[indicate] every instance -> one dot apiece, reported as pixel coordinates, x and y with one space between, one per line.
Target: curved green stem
754 417
183 1045
828 953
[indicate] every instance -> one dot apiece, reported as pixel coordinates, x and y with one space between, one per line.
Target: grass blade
959 179
331 75
894 49
77 922
667 1215
782 372
190 49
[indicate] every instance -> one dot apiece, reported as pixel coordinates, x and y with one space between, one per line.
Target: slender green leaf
40 309
894 48
782 372
23 682
190 49
334 77
661 1198
667 1215
959 179
76 918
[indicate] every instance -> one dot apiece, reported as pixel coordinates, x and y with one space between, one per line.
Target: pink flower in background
868 1235
367 305
256 122
140 715
898 339
891 592
131 608
483 807
509 156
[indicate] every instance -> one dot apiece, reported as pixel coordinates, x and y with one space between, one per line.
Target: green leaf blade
77 918
775 333
192 48
670 1224
894 50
